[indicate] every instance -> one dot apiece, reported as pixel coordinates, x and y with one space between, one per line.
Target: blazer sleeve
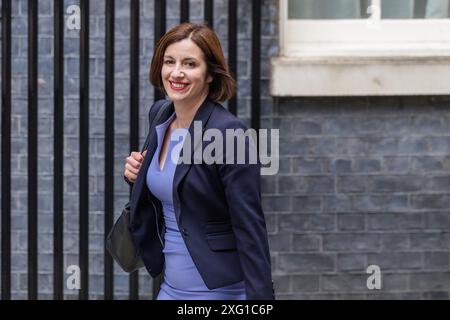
151 114
241 184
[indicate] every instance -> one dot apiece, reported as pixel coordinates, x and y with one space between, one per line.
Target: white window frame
361 56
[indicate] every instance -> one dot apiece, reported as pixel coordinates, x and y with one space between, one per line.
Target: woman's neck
185 112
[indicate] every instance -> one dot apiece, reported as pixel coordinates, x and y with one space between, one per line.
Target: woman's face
184 72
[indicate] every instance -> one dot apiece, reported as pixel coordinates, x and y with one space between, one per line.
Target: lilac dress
182 281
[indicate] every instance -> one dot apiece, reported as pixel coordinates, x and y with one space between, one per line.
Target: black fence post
184 11
58 130
160 29
84 150
134 110
32 148
209 12
256 61
232 48
109 142
58 149
6 149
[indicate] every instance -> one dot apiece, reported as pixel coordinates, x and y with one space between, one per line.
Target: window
352 26
357 9
373 38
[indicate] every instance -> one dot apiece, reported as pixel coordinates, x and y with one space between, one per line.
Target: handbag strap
152 125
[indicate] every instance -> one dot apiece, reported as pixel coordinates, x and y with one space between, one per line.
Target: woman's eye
190 64
168 61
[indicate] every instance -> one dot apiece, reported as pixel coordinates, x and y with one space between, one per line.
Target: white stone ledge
361 75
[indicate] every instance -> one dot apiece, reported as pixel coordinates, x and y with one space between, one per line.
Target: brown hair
223 85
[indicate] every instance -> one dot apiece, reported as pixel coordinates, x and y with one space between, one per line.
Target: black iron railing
58 95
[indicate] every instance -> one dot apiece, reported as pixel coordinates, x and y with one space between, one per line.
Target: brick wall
362 181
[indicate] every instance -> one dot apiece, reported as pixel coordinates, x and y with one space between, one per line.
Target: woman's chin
178 97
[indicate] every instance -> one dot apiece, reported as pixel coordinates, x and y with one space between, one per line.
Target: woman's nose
177 72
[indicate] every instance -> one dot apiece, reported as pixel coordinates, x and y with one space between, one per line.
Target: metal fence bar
160 29
6 149
184 11
134 72
109 142
32 148
232 48
256 62
58 149
134 110
84 151
58 140
209 12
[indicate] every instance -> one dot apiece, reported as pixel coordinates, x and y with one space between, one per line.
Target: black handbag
120 245
119 242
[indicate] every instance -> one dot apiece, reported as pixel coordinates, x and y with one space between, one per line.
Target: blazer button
185 233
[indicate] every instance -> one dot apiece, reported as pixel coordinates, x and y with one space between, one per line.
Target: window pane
357 9
397 9
436 9
418 9
325 9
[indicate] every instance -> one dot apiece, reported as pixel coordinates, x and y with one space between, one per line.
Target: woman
201 224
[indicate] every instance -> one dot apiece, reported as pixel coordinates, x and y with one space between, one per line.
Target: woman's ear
209 79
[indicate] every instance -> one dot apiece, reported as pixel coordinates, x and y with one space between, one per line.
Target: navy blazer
218 211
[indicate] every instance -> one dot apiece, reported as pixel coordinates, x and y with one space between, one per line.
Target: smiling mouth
178 86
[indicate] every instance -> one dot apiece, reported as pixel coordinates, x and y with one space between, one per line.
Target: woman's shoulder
223 119
155 106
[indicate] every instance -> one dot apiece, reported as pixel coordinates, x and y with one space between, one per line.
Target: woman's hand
133 164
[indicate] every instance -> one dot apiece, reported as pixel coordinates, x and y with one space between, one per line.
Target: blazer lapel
139 186
203 113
